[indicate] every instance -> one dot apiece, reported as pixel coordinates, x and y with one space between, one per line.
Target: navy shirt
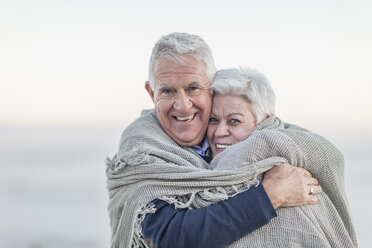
214 226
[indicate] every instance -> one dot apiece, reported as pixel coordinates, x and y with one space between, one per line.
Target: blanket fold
150 165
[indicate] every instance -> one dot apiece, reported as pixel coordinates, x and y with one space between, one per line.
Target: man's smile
185 118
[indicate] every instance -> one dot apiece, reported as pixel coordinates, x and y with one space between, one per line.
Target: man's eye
193 89
213 120
165 91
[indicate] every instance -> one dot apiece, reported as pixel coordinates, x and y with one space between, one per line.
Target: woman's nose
222 130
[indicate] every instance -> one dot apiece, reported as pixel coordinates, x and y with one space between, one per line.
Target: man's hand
289 186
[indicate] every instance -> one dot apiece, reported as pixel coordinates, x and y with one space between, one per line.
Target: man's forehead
161 85
169 68
172 74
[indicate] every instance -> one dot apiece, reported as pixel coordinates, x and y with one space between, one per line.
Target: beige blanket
150 165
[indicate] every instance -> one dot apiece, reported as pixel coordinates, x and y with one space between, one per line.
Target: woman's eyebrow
236 114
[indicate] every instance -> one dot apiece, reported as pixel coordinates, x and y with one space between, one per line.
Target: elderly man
163 159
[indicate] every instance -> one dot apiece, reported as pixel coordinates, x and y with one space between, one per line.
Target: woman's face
231 121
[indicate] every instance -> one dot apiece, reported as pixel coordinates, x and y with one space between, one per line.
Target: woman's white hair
250 84
177 47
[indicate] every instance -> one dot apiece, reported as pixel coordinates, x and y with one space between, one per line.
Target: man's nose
222 130
182 102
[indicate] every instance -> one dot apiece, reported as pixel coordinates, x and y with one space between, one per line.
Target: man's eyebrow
194 84
163 85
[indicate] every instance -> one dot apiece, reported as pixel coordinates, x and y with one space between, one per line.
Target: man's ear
149 90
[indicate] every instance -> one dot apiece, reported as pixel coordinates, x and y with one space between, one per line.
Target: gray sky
84 63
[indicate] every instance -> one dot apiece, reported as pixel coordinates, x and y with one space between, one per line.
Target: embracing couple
213 166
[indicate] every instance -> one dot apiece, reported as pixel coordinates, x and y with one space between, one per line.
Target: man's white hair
250 84
177 47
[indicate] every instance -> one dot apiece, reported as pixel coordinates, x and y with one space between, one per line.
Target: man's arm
223 223
214 226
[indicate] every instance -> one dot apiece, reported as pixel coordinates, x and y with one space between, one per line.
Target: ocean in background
53 186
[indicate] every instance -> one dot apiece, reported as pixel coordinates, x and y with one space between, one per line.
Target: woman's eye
235 121
212 120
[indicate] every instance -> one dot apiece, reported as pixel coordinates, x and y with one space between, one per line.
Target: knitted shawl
149 165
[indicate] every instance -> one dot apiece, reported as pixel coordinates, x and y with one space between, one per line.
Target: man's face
182 100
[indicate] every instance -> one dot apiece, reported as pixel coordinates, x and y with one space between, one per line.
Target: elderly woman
243 113
242 98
